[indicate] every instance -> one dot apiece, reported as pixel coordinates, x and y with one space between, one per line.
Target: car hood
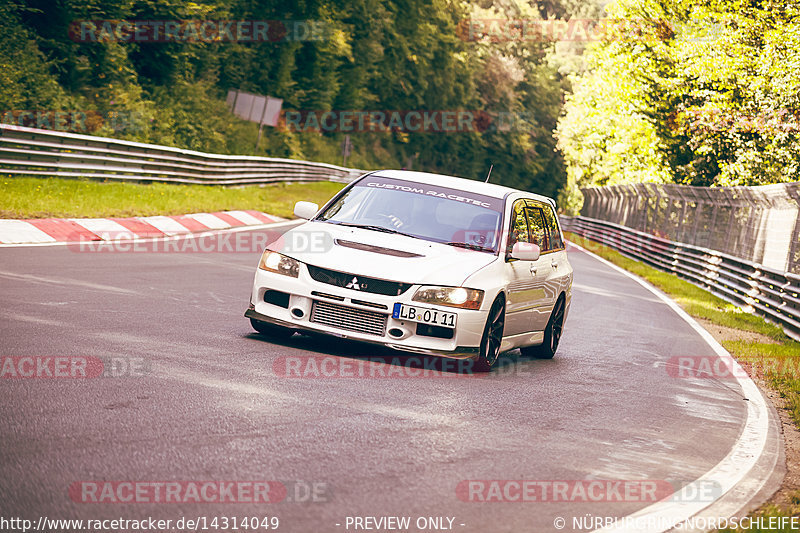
380 255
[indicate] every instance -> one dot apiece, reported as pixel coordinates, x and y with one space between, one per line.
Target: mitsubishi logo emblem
353 285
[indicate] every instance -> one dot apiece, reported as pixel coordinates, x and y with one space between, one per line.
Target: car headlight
275 262
450 296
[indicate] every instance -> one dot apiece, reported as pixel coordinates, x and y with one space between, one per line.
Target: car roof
452 182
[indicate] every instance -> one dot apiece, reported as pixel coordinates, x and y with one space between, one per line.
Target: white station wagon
423 263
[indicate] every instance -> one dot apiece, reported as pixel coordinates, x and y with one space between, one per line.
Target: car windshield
438 214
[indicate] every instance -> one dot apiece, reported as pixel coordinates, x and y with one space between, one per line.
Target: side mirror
525 251
305 210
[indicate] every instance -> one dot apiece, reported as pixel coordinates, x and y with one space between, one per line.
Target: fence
759 224
32 151
764 291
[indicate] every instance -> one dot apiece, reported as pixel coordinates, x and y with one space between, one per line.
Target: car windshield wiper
373 228
468 246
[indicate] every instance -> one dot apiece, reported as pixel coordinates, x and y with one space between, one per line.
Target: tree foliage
376 55
688 91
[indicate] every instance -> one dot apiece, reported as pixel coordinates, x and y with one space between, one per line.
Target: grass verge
770 357
27 197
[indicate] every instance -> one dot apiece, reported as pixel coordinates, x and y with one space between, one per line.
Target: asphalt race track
208 402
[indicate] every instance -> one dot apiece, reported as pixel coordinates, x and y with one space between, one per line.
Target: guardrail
770 293
32 151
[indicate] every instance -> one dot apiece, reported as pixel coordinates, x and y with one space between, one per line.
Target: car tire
489 351
271 330
552 334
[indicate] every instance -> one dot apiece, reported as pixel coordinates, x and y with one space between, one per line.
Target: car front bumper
299 296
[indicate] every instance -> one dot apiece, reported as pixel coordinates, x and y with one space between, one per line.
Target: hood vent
375 249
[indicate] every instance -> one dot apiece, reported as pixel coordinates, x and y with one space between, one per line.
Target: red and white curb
65 230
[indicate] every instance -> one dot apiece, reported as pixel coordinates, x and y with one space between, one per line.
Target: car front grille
356 282
349 318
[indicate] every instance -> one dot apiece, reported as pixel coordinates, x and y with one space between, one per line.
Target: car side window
519 226
552 227
537 227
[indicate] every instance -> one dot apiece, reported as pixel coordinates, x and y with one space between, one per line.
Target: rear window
543 226
556 243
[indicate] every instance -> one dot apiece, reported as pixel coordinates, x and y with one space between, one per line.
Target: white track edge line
732 469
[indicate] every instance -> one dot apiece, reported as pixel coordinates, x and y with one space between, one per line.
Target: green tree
701 93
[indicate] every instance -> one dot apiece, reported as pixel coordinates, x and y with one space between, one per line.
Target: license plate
424 315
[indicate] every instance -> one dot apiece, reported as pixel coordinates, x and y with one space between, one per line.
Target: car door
526 279
560 278
542 270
